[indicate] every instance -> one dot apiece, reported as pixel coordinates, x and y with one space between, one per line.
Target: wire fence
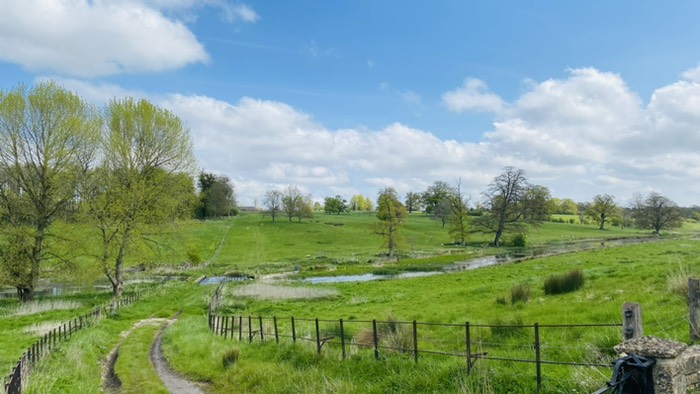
535 344
17 381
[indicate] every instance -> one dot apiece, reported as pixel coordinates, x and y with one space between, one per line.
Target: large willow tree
48 137
144 178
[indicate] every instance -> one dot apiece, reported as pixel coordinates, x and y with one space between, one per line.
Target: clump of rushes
520 293
559 284
230 357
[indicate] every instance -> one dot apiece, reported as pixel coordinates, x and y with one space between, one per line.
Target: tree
48 137
458 227
391 214
434 195
567 206
358 202
602 209
272 202
509 205
538 204
335 205
142 180
413 202
305 208
656 212
291 201
216 196
582 209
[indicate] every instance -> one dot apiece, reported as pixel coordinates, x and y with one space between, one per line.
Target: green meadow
650 273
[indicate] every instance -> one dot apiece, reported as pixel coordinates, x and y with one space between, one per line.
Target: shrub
518 241
520 293
559 284
230 357
501 301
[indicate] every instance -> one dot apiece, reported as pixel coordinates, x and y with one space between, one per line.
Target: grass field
345 244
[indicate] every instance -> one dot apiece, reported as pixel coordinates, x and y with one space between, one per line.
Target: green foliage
518 241
53 136
216 196
336 205
391 214
559 284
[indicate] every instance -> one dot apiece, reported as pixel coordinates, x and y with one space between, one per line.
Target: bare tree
507 204
272 203
458 226
656 212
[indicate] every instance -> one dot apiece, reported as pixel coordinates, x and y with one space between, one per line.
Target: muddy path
175 384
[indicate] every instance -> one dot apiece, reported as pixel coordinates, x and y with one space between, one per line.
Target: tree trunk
497 239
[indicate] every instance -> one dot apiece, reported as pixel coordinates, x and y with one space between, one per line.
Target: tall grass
34 307
279 292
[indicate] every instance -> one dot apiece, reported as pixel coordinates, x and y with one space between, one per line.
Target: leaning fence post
376 340
538 357
631 321
694 308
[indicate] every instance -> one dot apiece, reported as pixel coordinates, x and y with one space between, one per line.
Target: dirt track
172 381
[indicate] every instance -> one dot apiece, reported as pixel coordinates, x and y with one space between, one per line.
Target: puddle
215 280
368 277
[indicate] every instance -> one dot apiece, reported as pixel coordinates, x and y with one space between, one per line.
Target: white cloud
582 135
94 38
473 96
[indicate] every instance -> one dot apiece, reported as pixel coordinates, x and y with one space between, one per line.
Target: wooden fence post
631 321
694 308
415 341
468 338
318 338
538 357
260 319
240 328
274 322
294 331
342 338
376 339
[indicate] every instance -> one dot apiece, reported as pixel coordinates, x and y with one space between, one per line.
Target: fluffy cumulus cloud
581 135
269 144
96 38
473 96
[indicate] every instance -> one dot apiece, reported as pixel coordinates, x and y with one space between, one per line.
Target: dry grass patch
276 292
41 329
34 307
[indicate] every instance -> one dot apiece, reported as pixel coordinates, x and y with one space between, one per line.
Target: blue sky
349 97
